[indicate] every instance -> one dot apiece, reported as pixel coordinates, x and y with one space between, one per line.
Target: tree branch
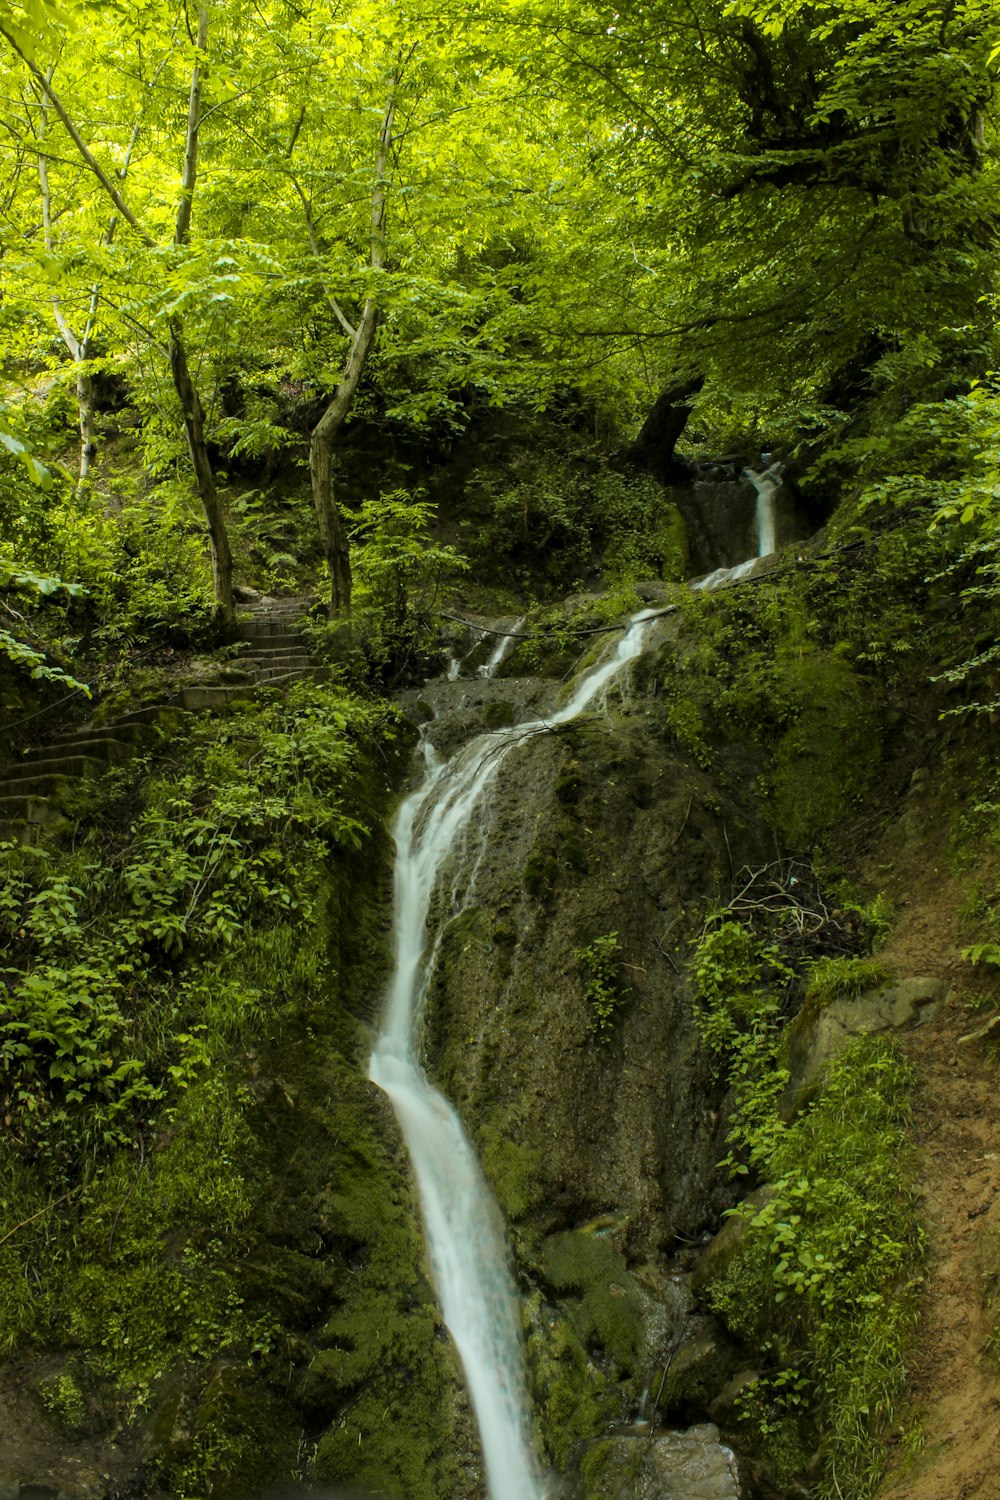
338 311
182 229
81 145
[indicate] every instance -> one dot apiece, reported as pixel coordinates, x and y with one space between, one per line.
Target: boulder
723 1246
815 1039
698 1372
691 1465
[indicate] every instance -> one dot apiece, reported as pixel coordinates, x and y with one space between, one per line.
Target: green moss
672 546
828 758
608 1314
64 1402
572 1397
499 714
512 1166
568 784
540 874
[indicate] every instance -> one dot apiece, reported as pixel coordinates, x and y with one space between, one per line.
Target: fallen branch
25 1222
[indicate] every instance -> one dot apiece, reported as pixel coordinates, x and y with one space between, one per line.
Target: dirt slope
955 1380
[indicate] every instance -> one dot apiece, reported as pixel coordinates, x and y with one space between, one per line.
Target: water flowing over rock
734 514
524 842
466 1244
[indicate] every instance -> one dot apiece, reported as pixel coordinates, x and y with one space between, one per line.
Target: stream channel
439 835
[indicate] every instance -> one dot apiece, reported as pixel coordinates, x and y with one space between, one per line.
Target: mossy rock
512 1166
499 714
237 1431
572 1397
829 756
609 1312
67 1405
698 1372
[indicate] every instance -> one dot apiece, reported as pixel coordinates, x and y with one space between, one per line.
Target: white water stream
503 645
767 483
465 1235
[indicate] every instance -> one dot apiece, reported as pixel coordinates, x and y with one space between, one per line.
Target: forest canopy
248 226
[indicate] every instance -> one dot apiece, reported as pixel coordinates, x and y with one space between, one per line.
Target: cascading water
464 1233
767 483
503 645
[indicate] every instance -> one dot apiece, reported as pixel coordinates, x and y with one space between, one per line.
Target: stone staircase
33 786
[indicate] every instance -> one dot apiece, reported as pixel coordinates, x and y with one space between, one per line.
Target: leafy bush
827 1278
823 1286
94 1047
398 575
603 993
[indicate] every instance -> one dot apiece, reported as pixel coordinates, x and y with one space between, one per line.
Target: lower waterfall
465 1234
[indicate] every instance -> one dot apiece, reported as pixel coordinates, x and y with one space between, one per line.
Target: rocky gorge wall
602 1144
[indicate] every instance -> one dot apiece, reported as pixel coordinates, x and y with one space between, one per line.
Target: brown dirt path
954 1379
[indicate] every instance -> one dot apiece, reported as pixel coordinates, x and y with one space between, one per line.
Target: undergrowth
824 1283
193 921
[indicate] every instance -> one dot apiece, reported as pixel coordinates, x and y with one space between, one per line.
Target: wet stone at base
691 1465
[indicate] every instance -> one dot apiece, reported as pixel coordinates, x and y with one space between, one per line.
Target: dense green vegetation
373 302
822 1286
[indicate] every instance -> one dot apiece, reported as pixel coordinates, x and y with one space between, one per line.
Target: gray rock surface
691 1465
815 1040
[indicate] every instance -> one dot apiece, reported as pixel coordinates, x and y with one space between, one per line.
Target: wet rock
700 1369
691 1465
720 1250
814 1040
725 1409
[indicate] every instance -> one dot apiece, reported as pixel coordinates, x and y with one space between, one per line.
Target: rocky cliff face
602 1143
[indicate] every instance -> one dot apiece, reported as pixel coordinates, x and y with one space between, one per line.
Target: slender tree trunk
194 419
333 537
194 424
194 431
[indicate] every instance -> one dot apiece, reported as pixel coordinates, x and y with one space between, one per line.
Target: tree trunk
194 419
88 443
194 424
653 449
333 537
194 431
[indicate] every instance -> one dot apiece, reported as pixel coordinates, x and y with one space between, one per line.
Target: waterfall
465 1234
492 667
767 483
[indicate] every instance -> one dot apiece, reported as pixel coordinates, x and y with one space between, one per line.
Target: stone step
195 698
270 632
43 784
142 724
279 660
318 674
27 808
276 646
102 746
53 763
